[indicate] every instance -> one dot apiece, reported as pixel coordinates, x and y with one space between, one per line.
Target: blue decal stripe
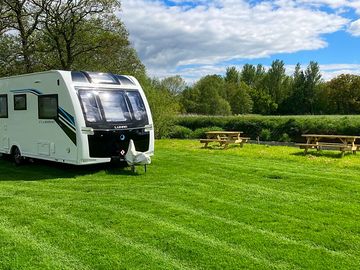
32 91
66 115
61 118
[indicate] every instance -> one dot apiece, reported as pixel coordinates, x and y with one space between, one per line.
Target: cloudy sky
193 38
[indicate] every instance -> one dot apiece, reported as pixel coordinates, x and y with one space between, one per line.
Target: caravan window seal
20 107
6 115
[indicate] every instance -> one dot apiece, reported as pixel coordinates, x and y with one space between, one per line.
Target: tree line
253 89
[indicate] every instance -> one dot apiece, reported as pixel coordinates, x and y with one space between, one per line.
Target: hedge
271 128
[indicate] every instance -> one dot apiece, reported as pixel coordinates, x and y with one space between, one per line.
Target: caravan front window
112 106
137 105
90 106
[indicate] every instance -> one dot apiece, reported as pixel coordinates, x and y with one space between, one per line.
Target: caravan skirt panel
109 144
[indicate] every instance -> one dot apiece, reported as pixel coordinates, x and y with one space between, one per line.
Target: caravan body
73 117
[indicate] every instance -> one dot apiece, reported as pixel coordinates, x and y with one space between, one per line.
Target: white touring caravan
73 117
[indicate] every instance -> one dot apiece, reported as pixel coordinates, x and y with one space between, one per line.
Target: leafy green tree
21 17
239 99
175 84
189 99
276 82
237 92
210 100
163 106
232 75
248 75
295 103
4 17
64 34
312 83
207 97
262 101
344 94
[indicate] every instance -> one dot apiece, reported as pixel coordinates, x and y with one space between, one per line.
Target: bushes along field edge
267 128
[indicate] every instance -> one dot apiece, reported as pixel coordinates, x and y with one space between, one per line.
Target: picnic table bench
224 138
329 142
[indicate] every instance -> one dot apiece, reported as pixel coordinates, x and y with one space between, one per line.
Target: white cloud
331 71
354 28
212 32
334 4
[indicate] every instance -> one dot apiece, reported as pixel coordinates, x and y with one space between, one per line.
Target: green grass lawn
255 207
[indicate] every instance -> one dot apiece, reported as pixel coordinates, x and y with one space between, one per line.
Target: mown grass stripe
59 259
90 228
194 193
275 236
198 236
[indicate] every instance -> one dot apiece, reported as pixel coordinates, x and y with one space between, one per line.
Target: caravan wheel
16 154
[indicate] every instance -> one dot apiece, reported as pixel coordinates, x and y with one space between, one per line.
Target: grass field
255 207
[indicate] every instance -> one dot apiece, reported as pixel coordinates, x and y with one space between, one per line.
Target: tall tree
4 18
22 16
162 104
275 82
68 26
175 84
232 75
237 92
312 82
344 94
207 97
295 104
248 75
239 97
64 34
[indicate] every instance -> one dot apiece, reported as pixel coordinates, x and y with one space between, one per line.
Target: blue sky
196 38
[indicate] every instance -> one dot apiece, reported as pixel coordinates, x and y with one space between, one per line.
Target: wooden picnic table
224 138
330 142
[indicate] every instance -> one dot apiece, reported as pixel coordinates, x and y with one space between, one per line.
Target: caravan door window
3 106
48 106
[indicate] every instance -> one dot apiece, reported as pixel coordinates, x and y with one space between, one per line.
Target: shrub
277 126
284 138
180 132
265 135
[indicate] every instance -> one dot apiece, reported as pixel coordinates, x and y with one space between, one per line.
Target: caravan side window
20 102
48 106
3 106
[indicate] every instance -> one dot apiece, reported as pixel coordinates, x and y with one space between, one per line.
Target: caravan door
4 139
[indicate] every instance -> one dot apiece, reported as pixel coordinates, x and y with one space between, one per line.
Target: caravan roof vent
102 78
78 76
124 80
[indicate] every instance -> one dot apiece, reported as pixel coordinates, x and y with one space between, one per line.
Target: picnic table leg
305 150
